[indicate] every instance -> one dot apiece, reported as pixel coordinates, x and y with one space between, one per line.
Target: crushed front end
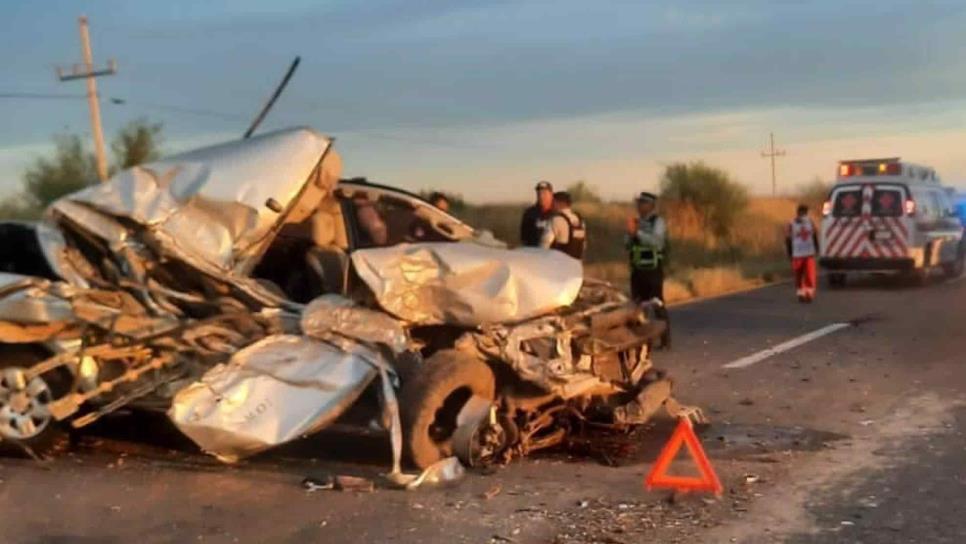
586 365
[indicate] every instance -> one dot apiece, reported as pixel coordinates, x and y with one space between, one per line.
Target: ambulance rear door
867 221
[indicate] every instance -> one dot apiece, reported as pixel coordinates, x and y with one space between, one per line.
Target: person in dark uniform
646 242
535 217
439 200
565 231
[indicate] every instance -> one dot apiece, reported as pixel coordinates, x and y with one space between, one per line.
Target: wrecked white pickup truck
246 291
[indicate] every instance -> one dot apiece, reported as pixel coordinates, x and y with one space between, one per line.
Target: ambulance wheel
955 268
432 399
917 277
836 279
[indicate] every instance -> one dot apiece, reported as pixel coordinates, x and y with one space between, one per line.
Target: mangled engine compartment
587 364
109 348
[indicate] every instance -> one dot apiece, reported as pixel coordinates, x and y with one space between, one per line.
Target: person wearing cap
565 231
536 217
801 243
646 243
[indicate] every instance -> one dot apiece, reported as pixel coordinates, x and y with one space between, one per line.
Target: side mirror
273 205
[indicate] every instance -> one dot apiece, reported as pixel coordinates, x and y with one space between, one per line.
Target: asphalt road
856 436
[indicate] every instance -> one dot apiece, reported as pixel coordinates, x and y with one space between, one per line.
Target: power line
203 112
52 96
123 101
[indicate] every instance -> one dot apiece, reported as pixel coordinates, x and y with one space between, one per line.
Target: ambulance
887 215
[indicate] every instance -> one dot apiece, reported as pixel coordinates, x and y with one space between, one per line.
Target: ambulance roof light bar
892 167
871 161
887 167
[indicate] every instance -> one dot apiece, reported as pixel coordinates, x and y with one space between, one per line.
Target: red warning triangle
658 477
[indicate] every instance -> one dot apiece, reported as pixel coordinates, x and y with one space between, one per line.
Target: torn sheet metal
34 309
28 299
541 352
119 312
214 204
331 316
271 392
58 254
468 284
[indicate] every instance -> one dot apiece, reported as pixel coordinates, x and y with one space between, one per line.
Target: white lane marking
957 279
785 346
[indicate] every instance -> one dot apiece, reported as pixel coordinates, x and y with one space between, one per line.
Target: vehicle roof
363 182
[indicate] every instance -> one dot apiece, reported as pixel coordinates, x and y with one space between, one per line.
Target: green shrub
711 191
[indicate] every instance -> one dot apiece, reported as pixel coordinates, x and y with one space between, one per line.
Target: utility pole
86 71
772 153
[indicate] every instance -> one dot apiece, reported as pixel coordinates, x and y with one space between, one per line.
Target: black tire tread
426 390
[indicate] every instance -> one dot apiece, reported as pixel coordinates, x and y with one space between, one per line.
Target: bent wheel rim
24 410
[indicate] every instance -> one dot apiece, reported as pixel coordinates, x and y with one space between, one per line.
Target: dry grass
706 282
676 291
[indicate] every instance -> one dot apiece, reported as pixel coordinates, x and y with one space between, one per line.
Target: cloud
492 95
624 153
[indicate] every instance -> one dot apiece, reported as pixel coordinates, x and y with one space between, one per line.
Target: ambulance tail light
826 208
910 207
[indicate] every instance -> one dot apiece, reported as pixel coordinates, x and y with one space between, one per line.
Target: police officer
646 243
565 231
536 217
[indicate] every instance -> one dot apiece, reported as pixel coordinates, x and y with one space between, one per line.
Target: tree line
713 192
71 167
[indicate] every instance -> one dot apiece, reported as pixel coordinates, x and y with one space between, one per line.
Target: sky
486 98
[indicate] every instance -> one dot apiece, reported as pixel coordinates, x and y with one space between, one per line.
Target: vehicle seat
328 225
330 267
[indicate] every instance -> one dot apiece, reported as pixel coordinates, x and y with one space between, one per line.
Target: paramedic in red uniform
801 242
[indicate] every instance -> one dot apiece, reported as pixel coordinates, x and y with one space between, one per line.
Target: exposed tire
25 422
918 277
955 268
431 399
835 279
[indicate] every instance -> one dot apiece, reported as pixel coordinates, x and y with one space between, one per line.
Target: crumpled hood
468 284
209 204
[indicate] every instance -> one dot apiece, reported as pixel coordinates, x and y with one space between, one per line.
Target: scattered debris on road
353 483
489 493
312 484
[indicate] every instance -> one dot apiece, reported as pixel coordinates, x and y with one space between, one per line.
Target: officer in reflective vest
647 245
566 230
801 242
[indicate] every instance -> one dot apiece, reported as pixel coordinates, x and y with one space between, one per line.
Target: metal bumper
867 264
